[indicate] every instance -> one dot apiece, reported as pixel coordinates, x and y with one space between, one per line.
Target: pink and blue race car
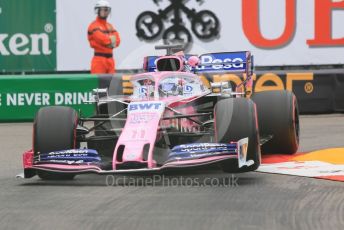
171 121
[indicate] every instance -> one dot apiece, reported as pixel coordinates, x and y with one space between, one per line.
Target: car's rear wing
238 62
226 62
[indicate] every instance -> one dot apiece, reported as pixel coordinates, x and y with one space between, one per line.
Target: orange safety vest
99 33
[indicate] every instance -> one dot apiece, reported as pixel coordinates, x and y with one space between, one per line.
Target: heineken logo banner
27 35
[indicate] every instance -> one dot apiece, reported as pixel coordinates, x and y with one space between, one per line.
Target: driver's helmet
171 87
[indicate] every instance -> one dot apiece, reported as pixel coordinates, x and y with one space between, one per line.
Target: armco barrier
320 91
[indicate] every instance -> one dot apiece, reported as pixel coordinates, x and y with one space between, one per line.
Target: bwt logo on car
145 106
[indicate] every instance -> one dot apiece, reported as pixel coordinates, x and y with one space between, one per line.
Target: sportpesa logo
70 151
209 60
201 147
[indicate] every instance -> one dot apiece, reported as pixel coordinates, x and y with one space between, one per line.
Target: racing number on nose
138 134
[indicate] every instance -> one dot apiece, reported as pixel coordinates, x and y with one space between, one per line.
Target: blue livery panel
201 150
72 156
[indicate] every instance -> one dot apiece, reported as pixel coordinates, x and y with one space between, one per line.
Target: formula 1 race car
171 121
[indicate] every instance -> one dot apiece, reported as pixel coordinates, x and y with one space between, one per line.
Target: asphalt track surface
247 201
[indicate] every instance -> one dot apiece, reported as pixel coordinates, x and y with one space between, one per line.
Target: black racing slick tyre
54 130
235 119
278 117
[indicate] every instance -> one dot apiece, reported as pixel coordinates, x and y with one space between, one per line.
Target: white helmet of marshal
102 4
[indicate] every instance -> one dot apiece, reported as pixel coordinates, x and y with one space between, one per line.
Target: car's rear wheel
54 130
235 119
278 116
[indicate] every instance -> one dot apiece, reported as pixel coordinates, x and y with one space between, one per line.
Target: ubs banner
27 35
278 32
52 34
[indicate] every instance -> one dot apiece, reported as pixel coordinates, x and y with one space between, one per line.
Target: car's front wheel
235 119
54 130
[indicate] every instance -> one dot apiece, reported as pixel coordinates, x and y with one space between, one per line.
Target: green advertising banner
27 35
22 96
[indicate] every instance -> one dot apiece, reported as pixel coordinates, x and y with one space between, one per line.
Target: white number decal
138 134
